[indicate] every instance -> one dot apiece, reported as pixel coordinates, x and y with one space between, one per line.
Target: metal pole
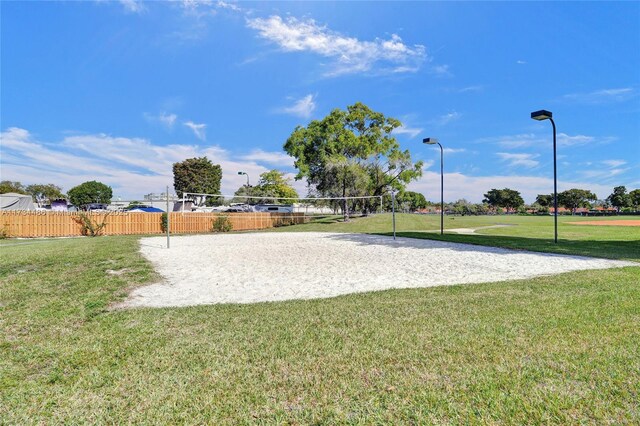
393 212
441 190
555 185
168 217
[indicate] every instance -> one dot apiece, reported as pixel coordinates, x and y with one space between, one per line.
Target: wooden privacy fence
31 224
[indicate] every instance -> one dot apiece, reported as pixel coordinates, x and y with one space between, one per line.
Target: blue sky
118 91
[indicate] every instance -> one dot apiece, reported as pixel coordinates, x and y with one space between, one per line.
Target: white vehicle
274 208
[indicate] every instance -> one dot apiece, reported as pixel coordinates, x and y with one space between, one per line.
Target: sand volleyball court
258 267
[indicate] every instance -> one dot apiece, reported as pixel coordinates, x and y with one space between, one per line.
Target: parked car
274 208
96 206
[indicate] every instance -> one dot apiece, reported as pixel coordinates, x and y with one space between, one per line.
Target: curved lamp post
247 174
433 141
547 115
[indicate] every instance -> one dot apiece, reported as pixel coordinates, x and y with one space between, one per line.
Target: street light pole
547 115
247 174
433 141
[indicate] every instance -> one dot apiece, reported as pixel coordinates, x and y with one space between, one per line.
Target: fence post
168 219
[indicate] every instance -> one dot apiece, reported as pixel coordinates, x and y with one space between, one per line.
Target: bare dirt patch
608 223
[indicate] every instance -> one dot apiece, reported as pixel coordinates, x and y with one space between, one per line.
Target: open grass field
558 349
523 232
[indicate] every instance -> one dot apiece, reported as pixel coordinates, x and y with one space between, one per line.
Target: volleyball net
314 207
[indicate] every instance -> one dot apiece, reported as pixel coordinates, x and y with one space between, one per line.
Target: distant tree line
200 175
348 153
81 196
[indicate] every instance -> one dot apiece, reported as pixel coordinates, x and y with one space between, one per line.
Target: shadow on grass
621 250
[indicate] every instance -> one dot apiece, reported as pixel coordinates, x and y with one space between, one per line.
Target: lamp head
430 141
541 115
241 173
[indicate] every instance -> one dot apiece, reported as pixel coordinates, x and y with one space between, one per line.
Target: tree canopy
7 186
197 175
45 193
510 199
90 192
352 153
619 197
412 201
544 200
271 184
574 198
634 197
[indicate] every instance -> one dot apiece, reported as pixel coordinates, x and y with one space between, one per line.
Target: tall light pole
245 173
433 141
547 115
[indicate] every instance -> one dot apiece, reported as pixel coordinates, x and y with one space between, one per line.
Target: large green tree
544 200
574 198
45 193
409 201
619 197
197 176
7 186
271 184
350 153
90 192
510 199
634 197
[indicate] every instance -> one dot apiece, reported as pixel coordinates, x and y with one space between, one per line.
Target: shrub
164 222
222 224
4 232
89 227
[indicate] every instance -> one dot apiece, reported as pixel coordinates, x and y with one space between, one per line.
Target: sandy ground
467 231
256 267
608 223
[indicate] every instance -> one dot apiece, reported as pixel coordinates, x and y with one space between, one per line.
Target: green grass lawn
524 232
559 349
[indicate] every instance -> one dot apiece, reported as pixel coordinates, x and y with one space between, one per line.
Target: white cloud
230 6
453 150
135 166
441 70
193 6
427 164
602 96
520 62
614 163
565 140
476 88
601 174
350 55
514 141
133 6
519 160
303 107
411 131
132 166
472 188
531 140
167 120
446 118
198 129
274 158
